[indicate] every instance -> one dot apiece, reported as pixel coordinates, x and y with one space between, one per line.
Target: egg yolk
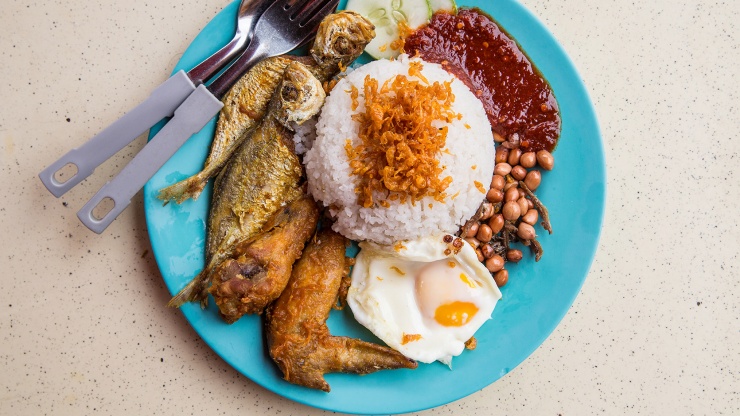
444 294
455 313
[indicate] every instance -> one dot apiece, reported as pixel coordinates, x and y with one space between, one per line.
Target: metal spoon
246 20
162 102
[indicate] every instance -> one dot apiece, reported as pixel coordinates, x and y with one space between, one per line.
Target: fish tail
196 290
180 192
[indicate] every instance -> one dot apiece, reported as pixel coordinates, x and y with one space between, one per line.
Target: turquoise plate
535 299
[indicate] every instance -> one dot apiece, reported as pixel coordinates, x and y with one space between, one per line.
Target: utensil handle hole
104 207
66 173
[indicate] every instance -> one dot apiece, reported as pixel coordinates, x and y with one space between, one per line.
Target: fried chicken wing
297 336
260 268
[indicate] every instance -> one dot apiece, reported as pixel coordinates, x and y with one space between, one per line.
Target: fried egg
424 298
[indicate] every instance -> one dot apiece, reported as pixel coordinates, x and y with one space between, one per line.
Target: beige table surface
655 330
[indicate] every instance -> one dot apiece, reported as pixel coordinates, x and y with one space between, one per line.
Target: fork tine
294 4
291 34
310 8
312 19
298 8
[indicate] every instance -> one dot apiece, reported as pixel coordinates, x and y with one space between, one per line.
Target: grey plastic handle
192 115
161 103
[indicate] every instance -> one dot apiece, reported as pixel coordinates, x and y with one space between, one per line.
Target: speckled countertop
655 331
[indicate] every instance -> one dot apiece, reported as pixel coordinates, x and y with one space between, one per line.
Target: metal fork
277 32
285 25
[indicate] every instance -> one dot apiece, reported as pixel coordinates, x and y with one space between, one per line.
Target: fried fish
262 177
340 39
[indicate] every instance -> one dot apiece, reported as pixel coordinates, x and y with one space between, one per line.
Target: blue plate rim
590 113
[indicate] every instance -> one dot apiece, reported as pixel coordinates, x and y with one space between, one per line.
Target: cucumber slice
445 5
386 15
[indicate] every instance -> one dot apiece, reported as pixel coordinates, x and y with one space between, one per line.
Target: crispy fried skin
260 268
297 336
244 106
341 38
262 177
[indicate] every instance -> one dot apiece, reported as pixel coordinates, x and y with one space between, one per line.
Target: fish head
341 39
299 96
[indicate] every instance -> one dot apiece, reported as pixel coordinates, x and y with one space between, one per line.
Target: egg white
386 298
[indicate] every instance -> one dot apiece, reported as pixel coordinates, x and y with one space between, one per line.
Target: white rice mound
469 159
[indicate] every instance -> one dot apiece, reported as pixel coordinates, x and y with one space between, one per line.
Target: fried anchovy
540 207
475 218
536 248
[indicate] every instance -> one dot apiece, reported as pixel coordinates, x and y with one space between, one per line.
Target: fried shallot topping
410 338
404 31
400 140
415 68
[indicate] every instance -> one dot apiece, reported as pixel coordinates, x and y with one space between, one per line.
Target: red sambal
515 96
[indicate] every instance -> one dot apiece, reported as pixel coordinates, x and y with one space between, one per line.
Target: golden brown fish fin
195 290
189 188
